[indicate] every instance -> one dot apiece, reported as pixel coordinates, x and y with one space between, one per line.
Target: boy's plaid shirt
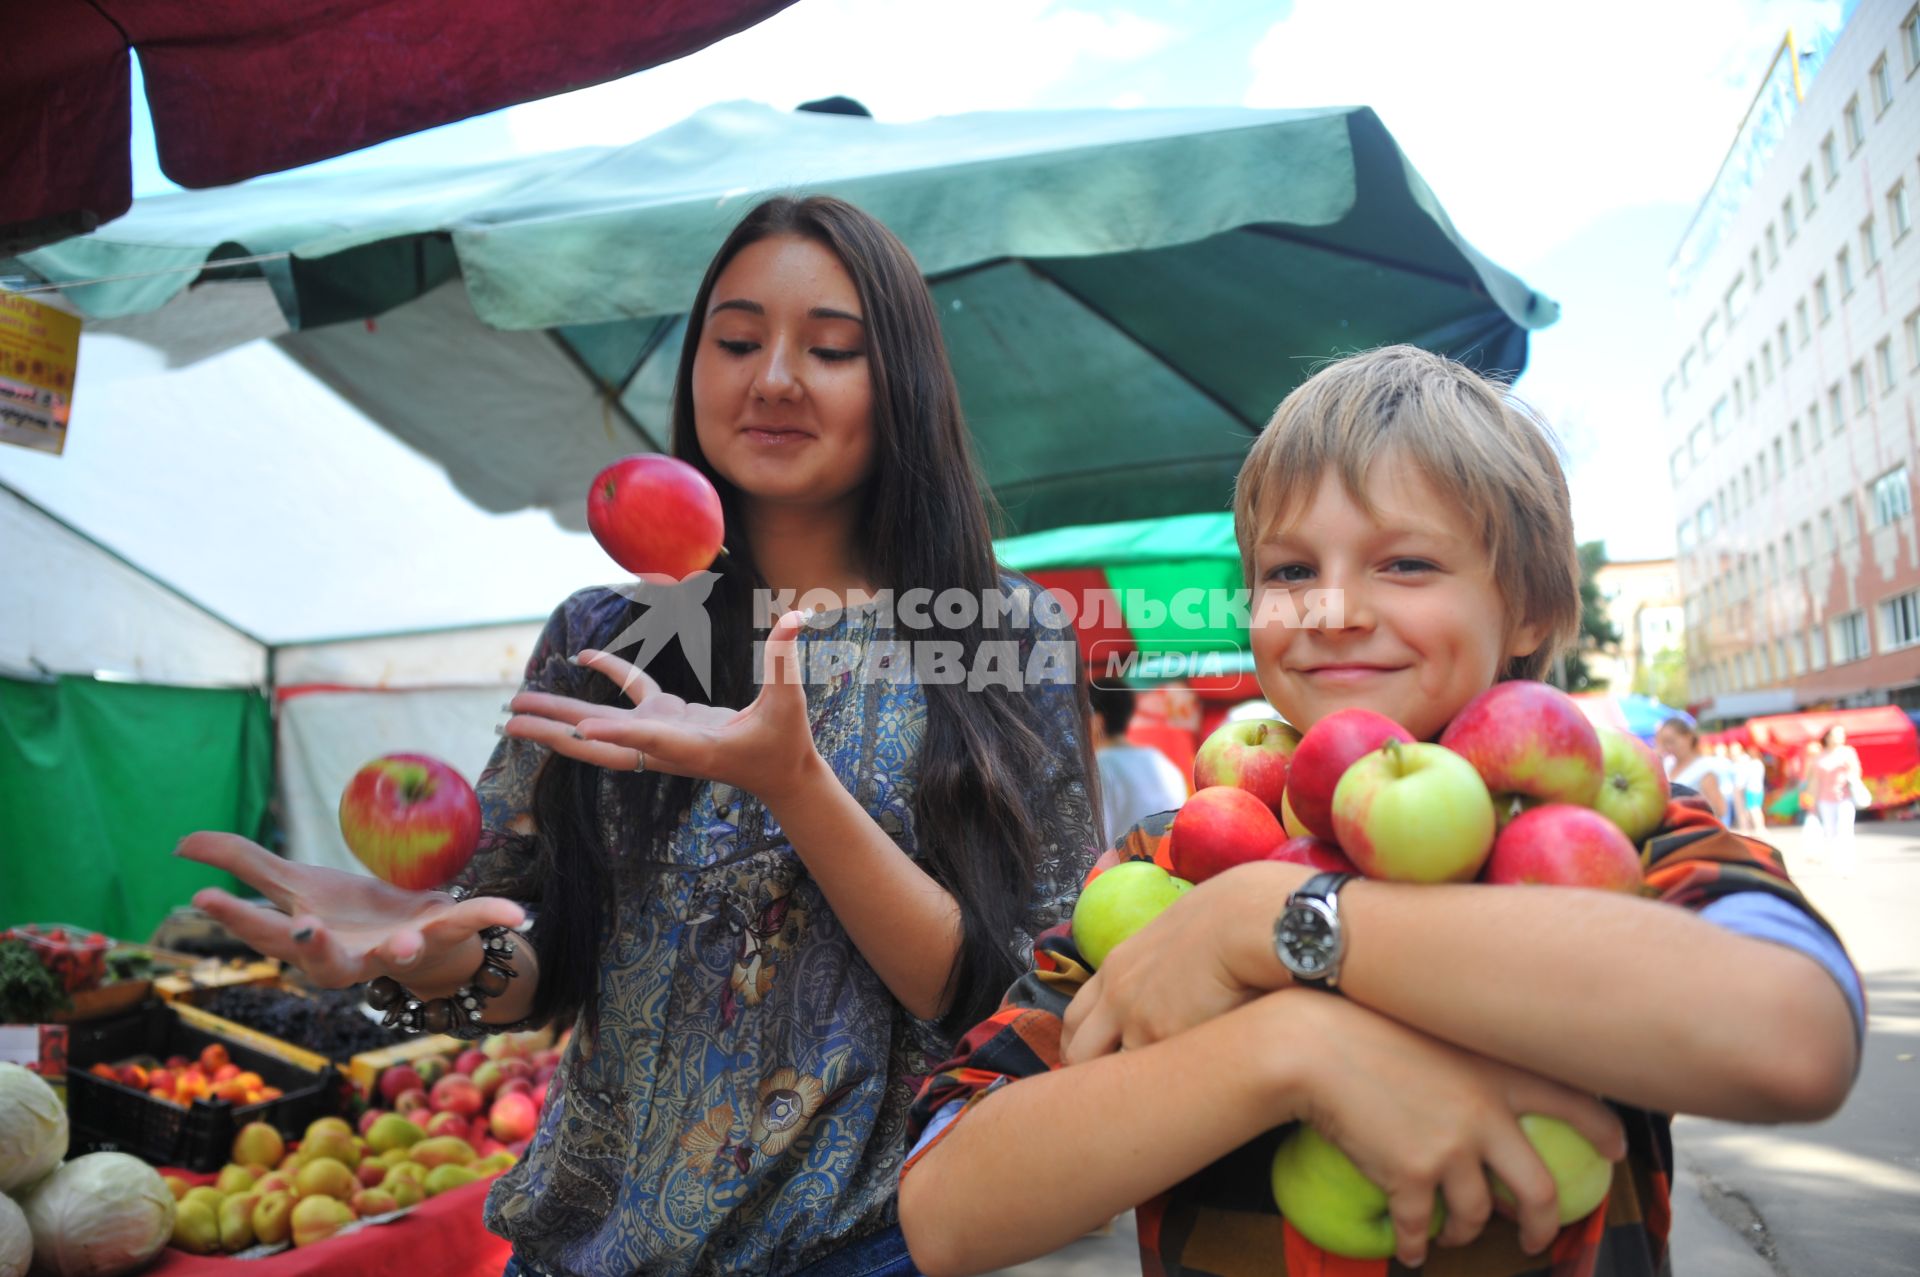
1222 1222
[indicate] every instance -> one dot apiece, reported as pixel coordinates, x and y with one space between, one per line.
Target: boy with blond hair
1436 507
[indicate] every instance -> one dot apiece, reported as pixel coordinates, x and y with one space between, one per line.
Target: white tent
232 522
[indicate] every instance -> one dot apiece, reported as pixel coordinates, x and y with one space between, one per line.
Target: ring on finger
640 760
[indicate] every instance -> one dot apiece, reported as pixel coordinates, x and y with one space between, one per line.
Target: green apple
1414 813
1633 788
1118 903
1580 1175
1333 1205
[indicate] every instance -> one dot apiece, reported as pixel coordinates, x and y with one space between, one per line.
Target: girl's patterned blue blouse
743 1109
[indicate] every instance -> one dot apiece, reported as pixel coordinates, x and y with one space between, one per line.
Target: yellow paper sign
39 354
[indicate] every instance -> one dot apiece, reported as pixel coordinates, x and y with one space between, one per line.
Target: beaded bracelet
437 1015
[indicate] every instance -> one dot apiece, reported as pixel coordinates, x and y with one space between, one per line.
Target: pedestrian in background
1750 775
1136 781
1837 784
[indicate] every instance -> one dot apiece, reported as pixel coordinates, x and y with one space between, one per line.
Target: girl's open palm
343 928
761 749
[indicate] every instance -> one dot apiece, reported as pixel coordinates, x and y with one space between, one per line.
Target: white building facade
1791 403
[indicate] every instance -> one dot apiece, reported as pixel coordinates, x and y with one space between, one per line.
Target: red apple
468 1061
448 1122
512 1117
412 1101
1563 845
540 1096
488 1078
1414 813
515 1066
514 1086
432 1068
370 1173
1314 853
1528 741
1252 755
398 1078
1219 828
411 819
368 1118
1323 756
656 516
1634 791
456 1093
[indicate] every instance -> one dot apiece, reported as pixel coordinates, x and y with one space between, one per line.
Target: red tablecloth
441 1237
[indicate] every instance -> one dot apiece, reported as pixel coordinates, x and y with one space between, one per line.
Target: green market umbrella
1126 294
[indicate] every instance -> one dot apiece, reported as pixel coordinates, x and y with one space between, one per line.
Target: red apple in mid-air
1323 756
411 819
1414 813
1219 828
1252 755
1634 791
1313 853
1563 845
656 516
1528 741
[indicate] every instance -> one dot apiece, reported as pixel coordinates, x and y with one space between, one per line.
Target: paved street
1839 1199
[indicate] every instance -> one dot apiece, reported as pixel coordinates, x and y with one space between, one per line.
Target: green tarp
99 780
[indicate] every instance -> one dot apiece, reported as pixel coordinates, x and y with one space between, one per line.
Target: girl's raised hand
763 749
344 928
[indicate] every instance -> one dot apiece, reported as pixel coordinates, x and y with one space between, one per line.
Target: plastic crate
108 1115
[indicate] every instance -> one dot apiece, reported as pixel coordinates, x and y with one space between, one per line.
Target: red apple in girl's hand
1567 846
411 819
656 516
1252 755
1218 828
1528 740
1322 757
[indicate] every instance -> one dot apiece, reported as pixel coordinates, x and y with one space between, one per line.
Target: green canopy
1126 294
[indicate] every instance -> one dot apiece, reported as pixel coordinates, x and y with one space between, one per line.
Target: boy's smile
1419 626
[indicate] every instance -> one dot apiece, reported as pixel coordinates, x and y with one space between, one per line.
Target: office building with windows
1792 398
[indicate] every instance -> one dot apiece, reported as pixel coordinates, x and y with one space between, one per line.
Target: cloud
1530 119
904 61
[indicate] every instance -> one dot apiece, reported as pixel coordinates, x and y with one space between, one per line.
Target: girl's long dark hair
923 524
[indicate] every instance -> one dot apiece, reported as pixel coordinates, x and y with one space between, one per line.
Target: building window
1849 522
1822 299
1851 642
1813 425
1843 267
1899 214
1817 641
1710 335
1780 457
1766 362
1773 564
1799 453
1786 351
1829 161
1786 553
1718 417
1883 364
1857 376
1697 443
1910 39
1836 413
1677 465
1869 245
1911 327
1900 621
1806 542
1746 486
1807 201
1850 121
1892 497
1789 219
1882 83
1797 655
1827 543
1801 329
1736 299
1704 519
1760 468
1773 246
1753 383
1683 536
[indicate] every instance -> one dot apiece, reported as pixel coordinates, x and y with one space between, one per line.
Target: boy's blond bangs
1483 451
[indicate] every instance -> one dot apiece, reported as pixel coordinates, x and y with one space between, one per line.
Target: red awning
1883 736
238 88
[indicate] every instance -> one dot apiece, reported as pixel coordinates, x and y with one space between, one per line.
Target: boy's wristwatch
1307 935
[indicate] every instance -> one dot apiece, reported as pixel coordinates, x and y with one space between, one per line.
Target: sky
1570 143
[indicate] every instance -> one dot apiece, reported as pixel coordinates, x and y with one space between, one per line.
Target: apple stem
1393 753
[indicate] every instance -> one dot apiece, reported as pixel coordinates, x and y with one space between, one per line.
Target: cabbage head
16 1240
99 1216
33 1128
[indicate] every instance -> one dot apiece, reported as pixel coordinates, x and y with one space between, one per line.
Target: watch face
1306 940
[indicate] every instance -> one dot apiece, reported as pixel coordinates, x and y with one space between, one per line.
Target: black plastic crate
108 1115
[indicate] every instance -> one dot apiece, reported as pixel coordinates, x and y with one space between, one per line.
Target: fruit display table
441 1237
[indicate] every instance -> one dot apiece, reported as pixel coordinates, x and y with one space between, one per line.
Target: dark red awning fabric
238 88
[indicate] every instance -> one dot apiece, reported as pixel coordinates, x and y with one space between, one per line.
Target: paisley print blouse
744 1107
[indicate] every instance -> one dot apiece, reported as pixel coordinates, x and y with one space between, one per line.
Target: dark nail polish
303 935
